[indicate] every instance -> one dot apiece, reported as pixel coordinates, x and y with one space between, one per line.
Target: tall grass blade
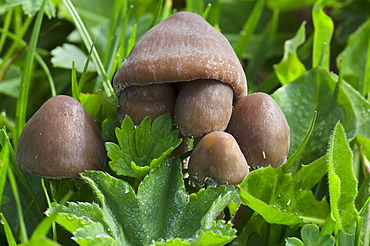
8 18
249 28
22 225
366 89
26 78
88 43
75 87
8 231
132 40
39 59
84 72
157 13
4 162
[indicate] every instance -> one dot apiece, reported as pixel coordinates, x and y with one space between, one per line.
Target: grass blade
13 184
4 162
8 231
249 27
88 43
157 14
324 28
292 159
26 78
75 87
39 59
132 40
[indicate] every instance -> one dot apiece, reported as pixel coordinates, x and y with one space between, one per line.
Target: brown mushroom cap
61 140
203 107
184 47
260 128
151 100
219 157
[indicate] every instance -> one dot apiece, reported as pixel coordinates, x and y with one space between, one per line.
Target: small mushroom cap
183 47
203 107
260 128
219 157
61 140
150 100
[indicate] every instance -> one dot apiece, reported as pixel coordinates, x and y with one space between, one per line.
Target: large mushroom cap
61 140
184 47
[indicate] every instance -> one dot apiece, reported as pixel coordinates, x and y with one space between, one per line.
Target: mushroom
218 156
151 100
203 107
61 140
261 129
181 49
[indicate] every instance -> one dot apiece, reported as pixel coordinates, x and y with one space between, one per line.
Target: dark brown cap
61 140
184 47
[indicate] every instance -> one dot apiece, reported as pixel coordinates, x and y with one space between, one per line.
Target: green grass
318 70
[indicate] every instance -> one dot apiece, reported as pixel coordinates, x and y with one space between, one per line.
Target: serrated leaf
279 200
317 91
62 57
161 209
342 182
290 67
218 234
93 234
142 148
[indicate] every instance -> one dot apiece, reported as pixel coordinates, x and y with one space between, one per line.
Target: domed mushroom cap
183 47
219 157
61 140
260 128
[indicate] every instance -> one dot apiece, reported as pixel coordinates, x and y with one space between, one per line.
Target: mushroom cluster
61 140
185 67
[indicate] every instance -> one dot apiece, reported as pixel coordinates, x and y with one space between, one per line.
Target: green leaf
62 57
161 210
317 91
311 237
293 242
43 241
10 84
8 231
286 5
97 106
365 145
354 58
324 28
310 175
142 148
279 200
32 6
342 182
362 109
290 67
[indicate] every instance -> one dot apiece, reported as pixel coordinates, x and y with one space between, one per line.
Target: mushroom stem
150 100
203 106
